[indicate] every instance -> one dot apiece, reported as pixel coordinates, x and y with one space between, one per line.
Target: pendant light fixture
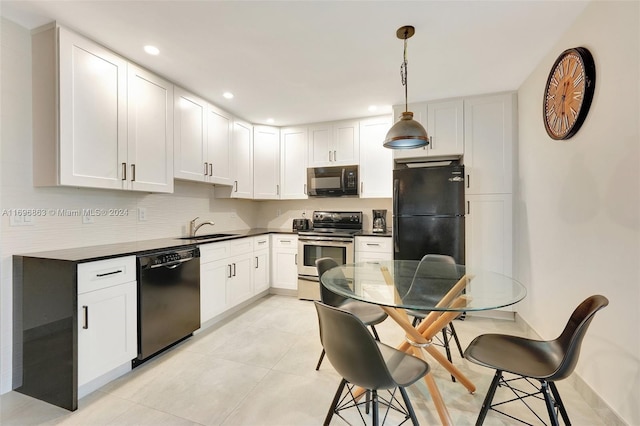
406 133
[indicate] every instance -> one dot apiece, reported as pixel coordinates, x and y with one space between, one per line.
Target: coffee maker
379 221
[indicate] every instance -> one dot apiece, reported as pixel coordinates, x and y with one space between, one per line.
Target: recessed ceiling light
228 95
152 50
270 120
372 108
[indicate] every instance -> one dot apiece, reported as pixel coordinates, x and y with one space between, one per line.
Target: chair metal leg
336 399
549 403
374 407
375 333
486 405
559 403
320 360
455 337
445 340
408 405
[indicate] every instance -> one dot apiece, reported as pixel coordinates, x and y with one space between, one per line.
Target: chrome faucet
193 228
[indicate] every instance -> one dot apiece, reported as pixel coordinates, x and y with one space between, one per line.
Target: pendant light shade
406 133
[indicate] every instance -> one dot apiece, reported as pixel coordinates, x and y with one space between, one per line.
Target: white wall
167 214
578 206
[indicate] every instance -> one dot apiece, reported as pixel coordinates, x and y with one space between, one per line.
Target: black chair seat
517 355
366 312
404 369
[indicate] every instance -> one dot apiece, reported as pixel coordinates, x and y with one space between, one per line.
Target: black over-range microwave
335 181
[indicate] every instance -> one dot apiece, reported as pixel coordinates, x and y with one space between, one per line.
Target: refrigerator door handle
395 214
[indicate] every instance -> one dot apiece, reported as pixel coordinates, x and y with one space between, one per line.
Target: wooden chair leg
320 360
486 405
559 403
336 399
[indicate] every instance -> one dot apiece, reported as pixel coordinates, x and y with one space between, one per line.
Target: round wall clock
568 93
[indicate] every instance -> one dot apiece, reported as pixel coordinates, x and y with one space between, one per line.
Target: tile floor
258 369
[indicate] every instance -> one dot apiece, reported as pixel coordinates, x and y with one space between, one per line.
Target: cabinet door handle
468 180
330 156
235 186
335 155
206 165
361 187
373 244
257 262
210 169
109 273
305 189
430 142
229 276
85 313
295 259
124 171
468 207
133 173
234 269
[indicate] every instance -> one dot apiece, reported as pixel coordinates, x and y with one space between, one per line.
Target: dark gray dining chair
439 267
546 361
366 363
368 313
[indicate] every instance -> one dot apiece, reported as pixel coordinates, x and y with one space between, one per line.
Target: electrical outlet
142 214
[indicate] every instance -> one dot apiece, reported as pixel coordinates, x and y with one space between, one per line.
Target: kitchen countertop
106 251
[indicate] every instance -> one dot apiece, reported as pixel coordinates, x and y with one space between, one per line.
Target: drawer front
242 246
106 273
374 244
261 242
285 241
214 251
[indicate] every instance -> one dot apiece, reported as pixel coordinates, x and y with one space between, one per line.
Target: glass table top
415 285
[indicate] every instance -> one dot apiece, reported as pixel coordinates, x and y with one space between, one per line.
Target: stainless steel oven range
333 235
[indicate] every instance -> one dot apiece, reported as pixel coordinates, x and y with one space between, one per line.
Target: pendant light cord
403 73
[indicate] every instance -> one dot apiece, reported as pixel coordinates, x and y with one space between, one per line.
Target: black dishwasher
168 299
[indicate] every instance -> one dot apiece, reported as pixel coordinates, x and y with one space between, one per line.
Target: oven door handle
326 239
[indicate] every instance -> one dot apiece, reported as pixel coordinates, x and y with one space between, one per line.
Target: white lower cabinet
261 248
284 261
373 249
488 233
107 317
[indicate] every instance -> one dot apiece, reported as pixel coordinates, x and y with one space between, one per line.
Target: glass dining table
442 290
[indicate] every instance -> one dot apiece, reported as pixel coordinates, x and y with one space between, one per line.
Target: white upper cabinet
99 121
189 130
202 140
334 144
444 122
150 124
293 163
376 161
489 135
219 152
266 164
242 160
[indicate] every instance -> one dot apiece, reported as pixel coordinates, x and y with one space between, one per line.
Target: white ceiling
310 61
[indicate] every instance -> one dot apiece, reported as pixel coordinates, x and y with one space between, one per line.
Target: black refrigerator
428 212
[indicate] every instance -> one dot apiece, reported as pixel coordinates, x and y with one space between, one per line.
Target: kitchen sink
207 237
